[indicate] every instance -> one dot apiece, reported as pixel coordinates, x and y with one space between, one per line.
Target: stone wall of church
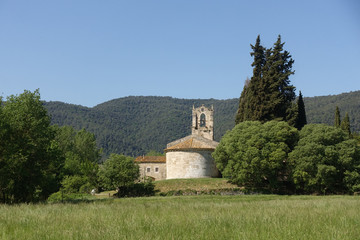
157 171
190 164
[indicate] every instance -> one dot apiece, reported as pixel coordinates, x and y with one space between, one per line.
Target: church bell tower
203 122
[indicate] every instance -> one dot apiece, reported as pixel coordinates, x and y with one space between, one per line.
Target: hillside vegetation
135 125
322 109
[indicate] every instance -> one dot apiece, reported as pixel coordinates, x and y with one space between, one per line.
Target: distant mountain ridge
135 125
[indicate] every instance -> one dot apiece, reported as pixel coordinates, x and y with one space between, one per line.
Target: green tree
278 69
301 114
268 95
252 96
254 154
337 117
81 158
345 124
325 161
118 171
5 164
154 153
31 158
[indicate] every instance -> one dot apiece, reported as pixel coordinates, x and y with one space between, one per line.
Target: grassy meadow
187 217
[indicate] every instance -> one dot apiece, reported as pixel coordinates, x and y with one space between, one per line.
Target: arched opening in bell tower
202 120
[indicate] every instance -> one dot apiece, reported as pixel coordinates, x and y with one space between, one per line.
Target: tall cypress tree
250 100
240 116
277 72
337 117
345 124
301 114
268 95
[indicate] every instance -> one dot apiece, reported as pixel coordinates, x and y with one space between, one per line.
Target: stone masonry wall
190 164
149 170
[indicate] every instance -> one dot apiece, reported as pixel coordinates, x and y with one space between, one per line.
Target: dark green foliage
345 124
301 115
118 171
253 154
325 161
141 189
81 158
321 109
337 117
62 197
252 100
29 157
269 157
154 153
279 92
135 125
73 184
241 113
268 95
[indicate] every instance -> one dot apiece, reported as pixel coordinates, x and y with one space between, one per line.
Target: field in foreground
187 217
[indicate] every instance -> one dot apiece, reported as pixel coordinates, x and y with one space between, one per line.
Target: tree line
135 125
271 149
38 159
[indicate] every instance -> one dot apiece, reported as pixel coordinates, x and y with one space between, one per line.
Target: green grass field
187 217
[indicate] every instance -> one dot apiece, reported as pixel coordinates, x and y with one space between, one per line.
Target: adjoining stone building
188 157
152 166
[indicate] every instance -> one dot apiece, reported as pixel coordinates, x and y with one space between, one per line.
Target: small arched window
202 120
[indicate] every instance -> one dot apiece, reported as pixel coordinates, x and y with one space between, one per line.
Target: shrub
118 171
141 189
254 155
325 161
67 197
73 184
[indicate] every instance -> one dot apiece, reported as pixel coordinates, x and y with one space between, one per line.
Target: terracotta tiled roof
150 159
192 142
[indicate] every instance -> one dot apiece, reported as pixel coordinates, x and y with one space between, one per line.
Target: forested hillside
322 109
136 125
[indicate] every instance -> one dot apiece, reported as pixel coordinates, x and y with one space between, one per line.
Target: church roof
192 142
150 159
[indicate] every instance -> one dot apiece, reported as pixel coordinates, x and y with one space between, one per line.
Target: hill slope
322 109
136 125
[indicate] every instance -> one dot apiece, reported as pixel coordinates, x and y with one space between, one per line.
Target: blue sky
88 52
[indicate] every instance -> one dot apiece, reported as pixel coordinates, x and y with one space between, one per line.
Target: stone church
188 157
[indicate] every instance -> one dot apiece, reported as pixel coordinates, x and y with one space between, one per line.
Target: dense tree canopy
268 95
275 157
325 161
321 109
29 157
81 156
337 117
254 154
135 125
118 171
345 124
